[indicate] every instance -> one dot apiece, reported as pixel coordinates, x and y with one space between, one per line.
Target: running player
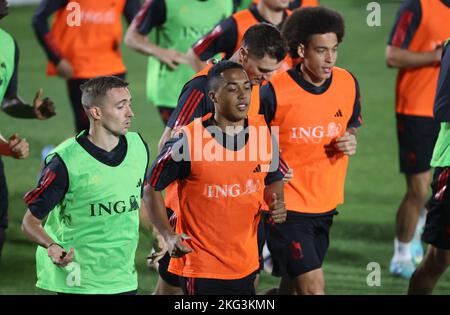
317 109
226 37
220 198
415 48
437 228
92 228
83 42
173 27
261 52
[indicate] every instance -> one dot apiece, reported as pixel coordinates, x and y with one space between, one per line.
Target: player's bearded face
319 57
233 97
3 8
116 111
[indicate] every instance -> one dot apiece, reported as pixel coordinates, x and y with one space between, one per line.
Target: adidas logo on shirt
257 169
338 114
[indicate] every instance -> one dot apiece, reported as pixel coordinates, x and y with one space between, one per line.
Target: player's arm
40 25
442 100
131 9
152 14
221 39
397 53
52 187
14 106
274 191
167 168
193 102
15 147
347 144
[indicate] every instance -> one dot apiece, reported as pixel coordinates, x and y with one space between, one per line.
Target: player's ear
212 95
95 112
243 55
301 50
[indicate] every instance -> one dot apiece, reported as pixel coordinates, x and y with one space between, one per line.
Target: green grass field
362 233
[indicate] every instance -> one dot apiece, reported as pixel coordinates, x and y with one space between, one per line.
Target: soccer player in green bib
90 191
437 226
173 26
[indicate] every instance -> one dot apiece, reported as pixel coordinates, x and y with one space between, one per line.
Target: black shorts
163 264
204 286
300 244
437 227
416 139
3 198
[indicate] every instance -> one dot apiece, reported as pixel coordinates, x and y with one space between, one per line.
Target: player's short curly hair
305 22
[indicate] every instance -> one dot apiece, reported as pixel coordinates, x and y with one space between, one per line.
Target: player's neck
274 17
229 127
309 76
103 139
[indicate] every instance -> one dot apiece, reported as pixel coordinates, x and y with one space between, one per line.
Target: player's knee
418 191
438 261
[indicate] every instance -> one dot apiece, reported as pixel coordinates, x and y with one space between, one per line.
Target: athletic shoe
402 268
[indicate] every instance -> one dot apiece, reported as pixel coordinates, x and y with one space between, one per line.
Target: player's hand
64 69
346 144
160 248
43 108
175 245
59 256
289 175
19 147
171 57
277 209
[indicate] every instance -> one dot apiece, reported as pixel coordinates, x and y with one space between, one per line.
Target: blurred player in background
14 106
226 36
415 48
173 27
437 228
83 42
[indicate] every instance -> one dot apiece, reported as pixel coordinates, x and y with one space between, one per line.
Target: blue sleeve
406 25
40 25
221 39
268 102
51 189
356 118
278 174
131 10
169 166
153 13
442 100
193 102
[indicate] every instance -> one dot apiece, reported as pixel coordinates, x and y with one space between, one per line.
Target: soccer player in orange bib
317 109
415 48
226 37
221 188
